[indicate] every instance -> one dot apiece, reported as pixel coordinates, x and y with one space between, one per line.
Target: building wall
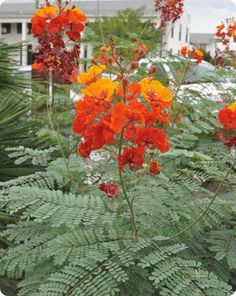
24 55
178 34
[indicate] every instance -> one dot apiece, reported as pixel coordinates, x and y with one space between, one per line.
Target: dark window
187 32
21 54
29 26
19 28
172 30
6 28
29 55
180 32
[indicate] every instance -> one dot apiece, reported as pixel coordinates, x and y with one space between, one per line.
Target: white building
178 34
15 16
206 42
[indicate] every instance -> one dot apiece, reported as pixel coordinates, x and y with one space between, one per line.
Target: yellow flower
50 10
153 90
91 75
233 107
102 89
105 48
198 53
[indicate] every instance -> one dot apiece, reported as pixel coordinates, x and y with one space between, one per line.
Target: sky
207 14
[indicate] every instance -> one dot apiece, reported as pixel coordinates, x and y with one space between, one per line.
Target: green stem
135 228
7 218
177 91
207 208
6 242
49 113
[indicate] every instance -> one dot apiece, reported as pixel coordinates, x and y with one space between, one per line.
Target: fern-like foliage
65 244
38 157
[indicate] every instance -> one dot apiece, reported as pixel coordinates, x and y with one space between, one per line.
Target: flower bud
153 69
134 65
125 81
94 61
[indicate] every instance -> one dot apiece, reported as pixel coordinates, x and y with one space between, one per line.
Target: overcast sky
206 14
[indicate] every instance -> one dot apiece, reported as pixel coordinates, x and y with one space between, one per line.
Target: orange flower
102 89
75 15
131 92
37 67
47 11
198 55
233 107
154 92
122 115
91 75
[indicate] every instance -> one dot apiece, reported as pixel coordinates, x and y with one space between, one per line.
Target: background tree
126 24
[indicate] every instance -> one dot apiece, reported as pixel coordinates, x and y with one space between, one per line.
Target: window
6 28
180 32
29 26
29 55
187 33
172 30
19 28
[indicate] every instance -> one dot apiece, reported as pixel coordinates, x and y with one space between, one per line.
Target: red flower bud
154 168
153 69
134 65
125 81
94 61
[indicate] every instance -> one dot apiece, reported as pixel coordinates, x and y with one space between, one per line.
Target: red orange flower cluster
171 10
226 31
192 53
122 113
227 117
55 27
111 190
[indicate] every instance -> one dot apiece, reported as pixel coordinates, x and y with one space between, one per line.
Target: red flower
95 137
52 26
152 138
154 168
38 25
171 10
227 118
230 142
74 33
85 149
132 157
111 190
184 50
198 55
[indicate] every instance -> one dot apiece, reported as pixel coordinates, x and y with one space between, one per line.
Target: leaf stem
186 228
135 228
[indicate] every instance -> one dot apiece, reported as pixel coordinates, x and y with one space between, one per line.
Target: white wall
14 37
174 39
